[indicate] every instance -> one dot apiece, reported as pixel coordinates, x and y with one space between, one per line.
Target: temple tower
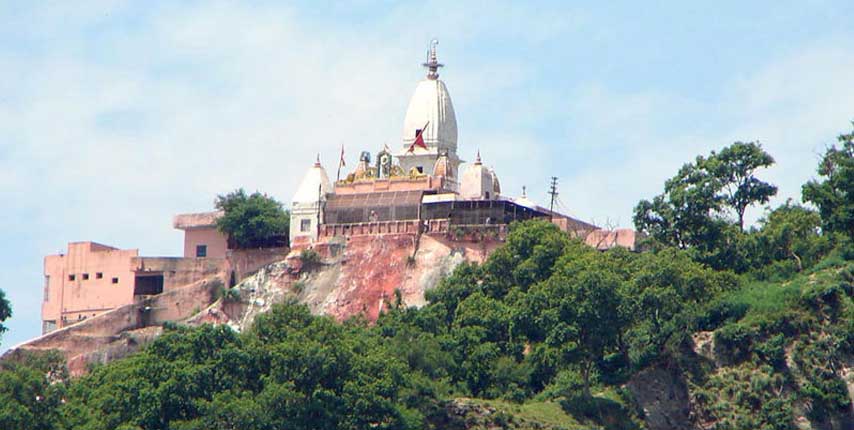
307 204
431 116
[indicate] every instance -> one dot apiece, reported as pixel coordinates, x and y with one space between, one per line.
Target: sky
116 115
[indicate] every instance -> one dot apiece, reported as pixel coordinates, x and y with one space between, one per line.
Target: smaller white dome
524 200
315 178
477 182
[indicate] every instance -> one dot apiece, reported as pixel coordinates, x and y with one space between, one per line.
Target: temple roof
430 109
315 185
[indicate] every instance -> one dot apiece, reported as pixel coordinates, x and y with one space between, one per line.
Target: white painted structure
478 182
430 111
307 203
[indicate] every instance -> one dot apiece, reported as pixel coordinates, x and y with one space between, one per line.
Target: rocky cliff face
357 277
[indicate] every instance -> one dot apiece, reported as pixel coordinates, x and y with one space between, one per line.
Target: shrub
310 258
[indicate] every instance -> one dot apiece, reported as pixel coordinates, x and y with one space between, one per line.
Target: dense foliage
5 312
834 195
545 320
253 220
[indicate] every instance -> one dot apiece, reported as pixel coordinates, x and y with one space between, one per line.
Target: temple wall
388 184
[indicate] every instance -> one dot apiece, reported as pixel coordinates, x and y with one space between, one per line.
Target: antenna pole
553 192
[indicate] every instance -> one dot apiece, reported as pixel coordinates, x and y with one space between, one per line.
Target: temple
423 187
420 196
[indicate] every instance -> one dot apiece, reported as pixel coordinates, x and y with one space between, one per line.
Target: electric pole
553 193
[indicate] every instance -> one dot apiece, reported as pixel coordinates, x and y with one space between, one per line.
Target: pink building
201 236
92 278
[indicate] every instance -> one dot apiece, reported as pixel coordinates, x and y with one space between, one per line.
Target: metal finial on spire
477 160
524 191
317 162
432 63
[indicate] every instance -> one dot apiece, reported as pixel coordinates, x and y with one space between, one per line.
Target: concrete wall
179 271
216 242
245 262
67 301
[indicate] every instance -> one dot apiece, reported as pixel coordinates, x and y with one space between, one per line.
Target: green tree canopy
692 213
251 220
5 312
734 169
834 194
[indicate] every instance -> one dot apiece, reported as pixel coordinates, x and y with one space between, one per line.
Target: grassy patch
545 413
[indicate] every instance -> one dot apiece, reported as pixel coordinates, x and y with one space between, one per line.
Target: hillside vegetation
746 328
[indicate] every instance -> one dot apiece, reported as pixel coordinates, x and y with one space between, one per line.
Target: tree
691 213
791 231
579 307
834 195
251 220
684 215
5 311
734 169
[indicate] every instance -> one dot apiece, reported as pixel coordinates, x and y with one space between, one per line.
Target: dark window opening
201 250
85 276
99 275
71 277
487 195
417 132
420 169
305 225
48 326
115 280
148 285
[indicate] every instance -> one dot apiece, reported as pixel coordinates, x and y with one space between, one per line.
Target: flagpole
340 160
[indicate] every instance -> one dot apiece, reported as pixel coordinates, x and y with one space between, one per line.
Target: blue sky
116 115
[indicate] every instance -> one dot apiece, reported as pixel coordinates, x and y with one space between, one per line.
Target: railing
432 226
369 228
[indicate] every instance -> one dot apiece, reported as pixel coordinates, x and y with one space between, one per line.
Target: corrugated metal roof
391 198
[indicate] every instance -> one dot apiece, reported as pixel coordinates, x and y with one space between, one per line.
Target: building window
148 285
115 280
71 277
85 276
48 326
47 289
99 275
420 169
201 250
305 225
417 132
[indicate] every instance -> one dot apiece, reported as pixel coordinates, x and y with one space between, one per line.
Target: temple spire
432 63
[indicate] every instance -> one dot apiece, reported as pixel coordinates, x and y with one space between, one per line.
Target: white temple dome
315 178
477 182
431 105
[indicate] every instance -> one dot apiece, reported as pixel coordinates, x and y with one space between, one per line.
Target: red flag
341 164
419 139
